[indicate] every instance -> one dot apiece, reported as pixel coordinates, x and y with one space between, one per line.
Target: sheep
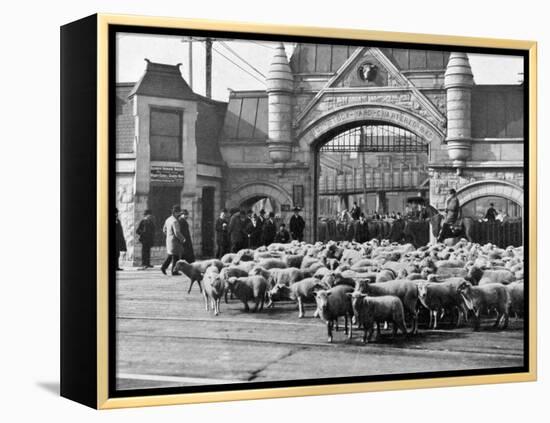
517 304
294 260
228 258
192 271
249 288
308 261
231 271
202 265
286 276
486 297
437 297
301 292
385 275
334 303
268 264
370 310
213 289
334 278
404 289
503 276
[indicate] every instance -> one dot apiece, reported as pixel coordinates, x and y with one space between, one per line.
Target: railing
502 234
401 179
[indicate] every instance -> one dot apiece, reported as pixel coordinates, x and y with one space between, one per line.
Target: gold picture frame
102 23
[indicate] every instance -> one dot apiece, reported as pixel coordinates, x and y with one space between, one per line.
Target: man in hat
451 214
491 214
120 241
269 230
174 240
355 211
222 239
187 251
361 229
260 220
282 237
237 231
297 225
146 232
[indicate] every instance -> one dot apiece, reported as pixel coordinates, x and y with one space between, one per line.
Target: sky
132 49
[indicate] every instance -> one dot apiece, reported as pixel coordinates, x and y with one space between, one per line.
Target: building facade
177 147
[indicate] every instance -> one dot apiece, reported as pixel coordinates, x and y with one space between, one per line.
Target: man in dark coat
259 225
146 233
187 252
355 211
249 229
237 231
120 241
297 225
222 234
362 229
491 214
282 237
269 230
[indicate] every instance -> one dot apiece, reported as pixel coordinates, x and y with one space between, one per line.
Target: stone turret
459 81
280 86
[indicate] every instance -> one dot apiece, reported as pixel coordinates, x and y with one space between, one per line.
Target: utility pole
191 62
363 166
208 45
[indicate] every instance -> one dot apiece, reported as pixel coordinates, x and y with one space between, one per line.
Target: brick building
175 146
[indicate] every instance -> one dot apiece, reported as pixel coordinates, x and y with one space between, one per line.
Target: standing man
297 225
237 231
120 241
146 232
222 238
491 214
355 211
187 251
260 221
174 240
451 214
269 230
362 229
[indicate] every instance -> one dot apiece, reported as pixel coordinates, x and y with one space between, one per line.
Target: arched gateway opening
371 167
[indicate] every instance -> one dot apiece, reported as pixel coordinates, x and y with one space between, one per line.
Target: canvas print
293 212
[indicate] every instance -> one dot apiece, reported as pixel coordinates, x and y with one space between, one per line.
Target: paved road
165 338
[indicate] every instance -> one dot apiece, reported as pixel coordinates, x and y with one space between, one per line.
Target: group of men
239 229
234 232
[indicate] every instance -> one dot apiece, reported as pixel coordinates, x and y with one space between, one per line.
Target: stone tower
459 81
280 86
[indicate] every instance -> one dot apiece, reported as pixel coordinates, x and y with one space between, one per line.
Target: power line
224 44
236 64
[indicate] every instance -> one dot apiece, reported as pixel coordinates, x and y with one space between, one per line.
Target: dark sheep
334 303
251 288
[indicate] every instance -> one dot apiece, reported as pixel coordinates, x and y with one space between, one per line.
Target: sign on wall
168 175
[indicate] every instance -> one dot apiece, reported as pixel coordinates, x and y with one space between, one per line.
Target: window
166 135
477 208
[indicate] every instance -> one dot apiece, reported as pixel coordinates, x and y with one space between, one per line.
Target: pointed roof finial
279 76
459 72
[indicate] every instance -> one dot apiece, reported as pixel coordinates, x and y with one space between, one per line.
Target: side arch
490 187
254 189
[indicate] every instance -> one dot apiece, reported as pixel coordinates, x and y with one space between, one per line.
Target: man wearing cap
187 251
297 225
222 235
237 231
120 241
269 230
174 240
146 232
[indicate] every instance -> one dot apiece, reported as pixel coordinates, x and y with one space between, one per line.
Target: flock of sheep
374 283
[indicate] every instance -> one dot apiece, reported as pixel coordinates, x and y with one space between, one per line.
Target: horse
465 224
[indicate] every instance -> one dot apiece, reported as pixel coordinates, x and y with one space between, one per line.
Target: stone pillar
459 81
280 86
